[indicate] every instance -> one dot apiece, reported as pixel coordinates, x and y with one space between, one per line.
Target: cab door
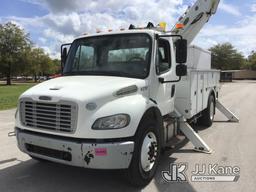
164 93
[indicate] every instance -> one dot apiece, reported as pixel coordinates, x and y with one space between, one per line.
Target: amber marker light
179 26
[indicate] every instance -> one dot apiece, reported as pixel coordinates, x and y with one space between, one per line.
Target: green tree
56 67
226 57
38 63
252 60
37 60
13 44
25 61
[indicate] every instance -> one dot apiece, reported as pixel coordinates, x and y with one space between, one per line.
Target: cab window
84 58
163 63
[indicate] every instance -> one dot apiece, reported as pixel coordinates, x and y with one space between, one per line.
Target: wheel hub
148 151
152 151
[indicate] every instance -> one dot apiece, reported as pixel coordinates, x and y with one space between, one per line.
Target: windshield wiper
103 73
70 73
118 73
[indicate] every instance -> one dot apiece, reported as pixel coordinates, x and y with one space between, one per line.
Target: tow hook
11 134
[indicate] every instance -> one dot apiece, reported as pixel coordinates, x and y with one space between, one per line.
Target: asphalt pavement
233 145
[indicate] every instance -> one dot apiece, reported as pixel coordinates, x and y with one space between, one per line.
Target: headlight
112 122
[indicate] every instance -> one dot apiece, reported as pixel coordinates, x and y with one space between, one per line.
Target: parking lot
233 145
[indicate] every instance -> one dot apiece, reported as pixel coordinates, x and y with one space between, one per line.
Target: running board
231 117
196 140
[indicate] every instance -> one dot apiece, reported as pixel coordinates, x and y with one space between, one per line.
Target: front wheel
146 154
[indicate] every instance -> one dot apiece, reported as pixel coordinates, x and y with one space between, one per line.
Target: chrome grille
59 116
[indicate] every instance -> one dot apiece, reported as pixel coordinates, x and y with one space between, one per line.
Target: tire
142 169
208 113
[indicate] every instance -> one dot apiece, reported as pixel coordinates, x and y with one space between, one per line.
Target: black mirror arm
62 58
63 45
162 81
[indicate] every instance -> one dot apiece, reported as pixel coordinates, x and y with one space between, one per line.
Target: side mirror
64 54
181 51
181 70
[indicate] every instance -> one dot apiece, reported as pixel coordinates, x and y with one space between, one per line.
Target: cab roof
150 32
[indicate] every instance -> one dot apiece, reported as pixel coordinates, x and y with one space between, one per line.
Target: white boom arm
195 18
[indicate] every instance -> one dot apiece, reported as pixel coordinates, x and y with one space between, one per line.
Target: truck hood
82 88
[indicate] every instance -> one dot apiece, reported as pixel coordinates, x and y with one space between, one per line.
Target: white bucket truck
122 98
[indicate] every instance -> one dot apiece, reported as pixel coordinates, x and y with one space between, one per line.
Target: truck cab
141 56
110 95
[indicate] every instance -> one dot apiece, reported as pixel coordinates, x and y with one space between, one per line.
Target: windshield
126 55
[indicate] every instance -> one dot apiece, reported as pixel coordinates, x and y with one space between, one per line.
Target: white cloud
241 35
42 40
231 9
89 15
57 6
253 8
57 36
67 19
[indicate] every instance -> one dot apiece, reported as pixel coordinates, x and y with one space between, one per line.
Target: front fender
133 105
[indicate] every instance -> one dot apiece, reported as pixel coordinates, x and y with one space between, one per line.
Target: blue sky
53 22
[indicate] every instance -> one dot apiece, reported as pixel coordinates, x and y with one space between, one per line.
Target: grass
9 94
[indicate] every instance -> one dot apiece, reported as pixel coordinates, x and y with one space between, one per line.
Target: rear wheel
146 154
208 113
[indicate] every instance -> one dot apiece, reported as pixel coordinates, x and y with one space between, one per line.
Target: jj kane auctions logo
202 173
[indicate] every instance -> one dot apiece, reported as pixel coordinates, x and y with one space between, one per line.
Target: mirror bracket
181 70
162 81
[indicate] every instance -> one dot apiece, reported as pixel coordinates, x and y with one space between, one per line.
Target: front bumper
109 155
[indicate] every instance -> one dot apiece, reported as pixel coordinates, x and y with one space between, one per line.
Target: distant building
229 75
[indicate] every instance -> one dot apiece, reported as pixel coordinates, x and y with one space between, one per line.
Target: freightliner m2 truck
123 97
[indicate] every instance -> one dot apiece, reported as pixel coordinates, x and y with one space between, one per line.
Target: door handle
173 90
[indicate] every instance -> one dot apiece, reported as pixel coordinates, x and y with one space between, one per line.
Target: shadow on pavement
31 176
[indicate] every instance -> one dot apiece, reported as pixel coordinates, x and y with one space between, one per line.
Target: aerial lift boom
195 18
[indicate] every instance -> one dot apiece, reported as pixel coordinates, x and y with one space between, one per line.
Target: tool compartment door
200 87
206 90
193 92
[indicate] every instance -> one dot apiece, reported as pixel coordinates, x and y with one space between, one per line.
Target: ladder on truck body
193 21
